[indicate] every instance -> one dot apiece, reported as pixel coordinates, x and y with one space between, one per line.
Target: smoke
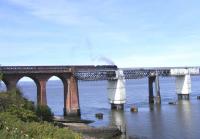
106 60
95 57
90 49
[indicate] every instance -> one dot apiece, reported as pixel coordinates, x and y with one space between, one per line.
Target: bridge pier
71 97
183 86
10 82
117 92
150 84
41 91
157 89
152 98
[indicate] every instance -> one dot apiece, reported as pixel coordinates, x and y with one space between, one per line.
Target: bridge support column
41 92
150 84
71 96
157 89
157 97
183 86
117 92
12 84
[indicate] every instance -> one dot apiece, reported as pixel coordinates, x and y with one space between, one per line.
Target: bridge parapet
184 71
34 69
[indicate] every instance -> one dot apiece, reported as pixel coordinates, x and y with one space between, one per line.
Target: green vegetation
1 76
44 113
20 119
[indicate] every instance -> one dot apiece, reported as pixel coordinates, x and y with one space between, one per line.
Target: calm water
153 122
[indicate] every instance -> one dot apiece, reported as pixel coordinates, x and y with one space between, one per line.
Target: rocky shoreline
89 132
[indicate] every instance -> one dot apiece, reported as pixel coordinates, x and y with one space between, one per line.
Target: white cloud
62 11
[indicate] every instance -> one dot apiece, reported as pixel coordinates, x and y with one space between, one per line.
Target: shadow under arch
28 86
55 94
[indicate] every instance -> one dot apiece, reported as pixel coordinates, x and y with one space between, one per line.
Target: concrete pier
116 91
183 86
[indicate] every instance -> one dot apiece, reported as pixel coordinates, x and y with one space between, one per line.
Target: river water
163 121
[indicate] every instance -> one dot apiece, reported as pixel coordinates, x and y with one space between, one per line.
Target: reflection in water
155 121
117 118
155 107
184 110
185 117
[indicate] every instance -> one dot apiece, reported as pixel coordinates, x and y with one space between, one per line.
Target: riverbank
89 132
21 119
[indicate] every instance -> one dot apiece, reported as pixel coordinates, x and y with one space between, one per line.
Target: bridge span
70 75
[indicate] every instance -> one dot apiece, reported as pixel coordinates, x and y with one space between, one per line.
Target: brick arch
57 92
11 81
34 84
71 95
32 78
63 79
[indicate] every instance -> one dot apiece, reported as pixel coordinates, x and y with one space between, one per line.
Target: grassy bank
20 119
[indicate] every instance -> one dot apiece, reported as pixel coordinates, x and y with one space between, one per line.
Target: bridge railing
34 69
142 73
95 75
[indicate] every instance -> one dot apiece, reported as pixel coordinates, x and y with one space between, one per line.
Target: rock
172 103
134 109
99 115
198 97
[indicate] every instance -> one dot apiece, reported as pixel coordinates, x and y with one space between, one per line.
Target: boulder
99 115
134 109
172 103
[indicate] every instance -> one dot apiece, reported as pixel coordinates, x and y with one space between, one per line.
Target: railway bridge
70 75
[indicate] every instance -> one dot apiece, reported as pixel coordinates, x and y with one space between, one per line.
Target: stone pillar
116 91
11 81
157 89
41 92
71 106
183 86
12 84
150 84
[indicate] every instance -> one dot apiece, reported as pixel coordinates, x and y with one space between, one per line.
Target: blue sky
130 33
